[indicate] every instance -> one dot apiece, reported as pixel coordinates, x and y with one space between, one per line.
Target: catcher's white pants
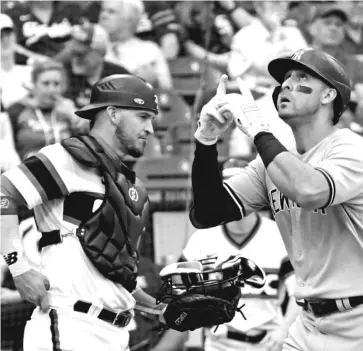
58 330
341 331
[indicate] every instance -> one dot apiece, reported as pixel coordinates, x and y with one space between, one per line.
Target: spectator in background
84 61
327 30
256 44
42 27
43 117
13 77
299 14
142 58
158 23
194 17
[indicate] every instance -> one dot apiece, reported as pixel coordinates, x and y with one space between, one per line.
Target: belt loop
343 304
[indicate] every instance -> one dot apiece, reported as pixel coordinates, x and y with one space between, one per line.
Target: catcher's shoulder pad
80 152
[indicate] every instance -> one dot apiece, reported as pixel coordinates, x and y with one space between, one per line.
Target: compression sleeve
11 245
212 202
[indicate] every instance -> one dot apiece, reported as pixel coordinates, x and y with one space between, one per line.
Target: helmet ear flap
275 95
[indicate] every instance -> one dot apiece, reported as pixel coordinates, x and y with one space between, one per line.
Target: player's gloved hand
245 111
33 287
213 123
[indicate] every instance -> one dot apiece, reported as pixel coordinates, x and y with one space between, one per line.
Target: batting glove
245 111
212 123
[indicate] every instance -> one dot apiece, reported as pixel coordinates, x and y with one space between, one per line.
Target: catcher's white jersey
265 247
53 173
325 245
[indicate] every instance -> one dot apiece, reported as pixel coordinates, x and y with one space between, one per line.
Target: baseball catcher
205 293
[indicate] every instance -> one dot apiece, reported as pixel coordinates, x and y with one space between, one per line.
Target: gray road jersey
325 245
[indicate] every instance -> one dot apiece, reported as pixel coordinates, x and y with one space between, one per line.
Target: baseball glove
204 293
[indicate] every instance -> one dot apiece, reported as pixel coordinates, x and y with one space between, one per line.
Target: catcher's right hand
212 123
190 312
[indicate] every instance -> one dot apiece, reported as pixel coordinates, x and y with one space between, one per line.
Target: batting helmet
121 90
319 64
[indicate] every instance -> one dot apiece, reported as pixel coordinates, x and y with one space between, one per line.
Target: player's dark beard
127 143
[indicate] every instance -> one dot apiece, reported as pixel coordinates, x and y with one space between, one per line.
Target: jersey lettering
279 202
11 258
269 291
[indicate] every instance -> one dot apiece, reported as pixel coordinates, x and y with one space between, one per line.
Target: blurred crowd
52 52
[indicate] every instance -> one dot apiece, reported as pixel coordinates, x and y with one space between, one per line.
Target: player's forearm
146 304
297 180
212 203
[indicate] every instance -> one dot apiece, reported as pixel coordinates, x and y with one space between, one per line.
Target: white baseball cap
6 22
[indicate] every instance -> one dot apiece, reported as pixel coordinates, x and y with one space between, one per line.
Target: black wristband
268 147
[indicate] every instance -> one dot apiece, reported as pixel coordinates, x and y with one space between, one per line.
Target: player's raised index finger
244 89
222 86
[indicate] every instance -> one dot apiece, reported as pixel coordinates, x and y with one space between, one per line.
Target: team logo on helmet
297 55
134 196
139 101
4 203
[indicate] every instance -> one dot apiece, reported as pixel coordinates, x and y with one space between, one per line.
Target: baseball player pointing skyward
314 190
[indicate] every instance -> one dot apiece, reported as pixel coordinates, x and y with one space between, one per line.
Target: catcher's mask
205 277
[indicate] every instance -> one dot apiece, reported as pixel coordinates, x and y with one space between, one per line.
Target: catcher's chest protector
110 236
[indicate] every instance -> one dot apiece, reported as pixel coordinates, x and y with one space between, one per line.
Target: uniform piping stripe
331 186
54 330
54 173
236 199
15 194
44 177
24 185
34 181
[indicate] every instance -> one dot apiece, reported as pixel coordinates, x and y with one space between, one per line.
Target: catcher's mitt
201 294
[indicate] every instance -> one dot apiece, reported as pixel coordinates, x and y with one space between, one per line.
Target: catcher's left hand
190 312
245 111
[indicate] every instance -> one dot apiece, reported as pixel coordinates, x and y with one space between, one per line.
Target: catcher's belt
118 319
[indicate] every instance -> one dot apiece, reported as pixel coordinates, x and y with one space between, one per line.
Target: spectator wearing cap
14 77
42 27
327 30
142 58
85 63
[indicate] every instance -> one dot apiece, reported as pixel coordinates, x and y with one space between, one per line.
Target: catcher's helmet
121 90
319 64
207 276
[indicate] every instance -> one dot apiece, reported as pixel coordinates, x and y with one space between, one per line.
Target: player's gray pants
340 331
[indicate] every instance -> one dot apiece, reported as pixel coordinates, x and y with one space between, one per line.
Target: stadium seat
186 73
172 109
